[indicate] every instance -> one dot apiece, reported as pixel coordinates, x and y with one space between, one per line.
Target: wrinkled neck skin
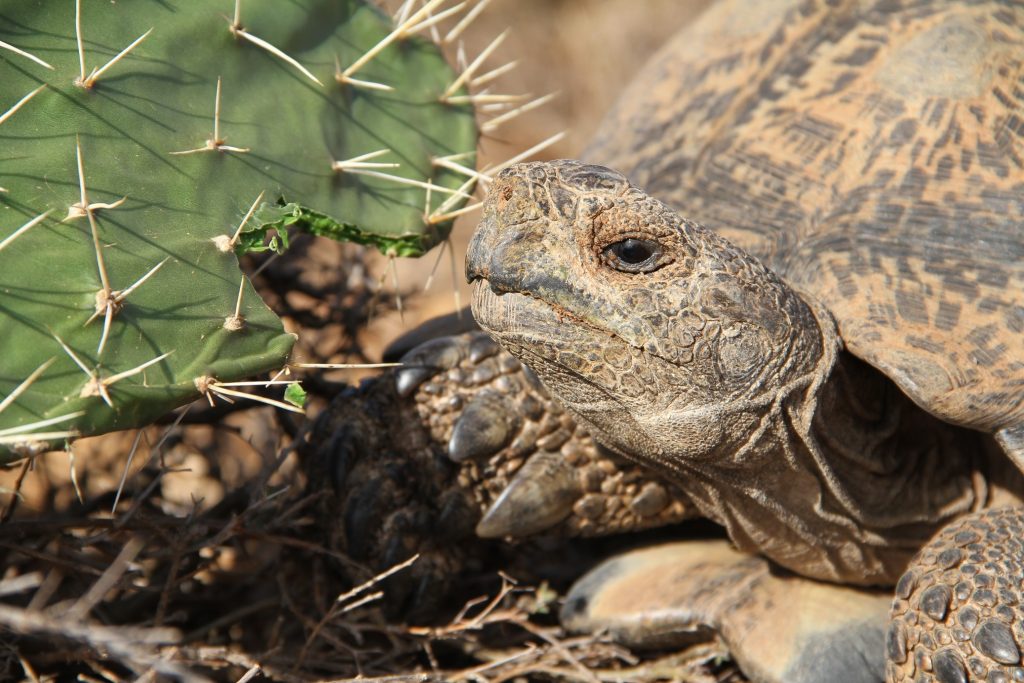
843 478
836 475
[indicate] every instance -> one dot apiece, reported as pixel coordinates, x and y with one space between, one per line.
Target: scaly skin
427 458
957 612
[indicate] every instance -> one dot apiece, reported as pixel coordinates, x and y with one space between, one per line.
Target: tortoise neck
845 477
893 468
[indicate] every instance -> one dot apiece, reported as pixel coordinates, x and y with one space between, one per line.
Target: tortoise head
667 340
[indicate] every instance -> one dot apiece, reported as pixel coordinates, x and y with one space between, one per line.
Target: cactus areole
143 145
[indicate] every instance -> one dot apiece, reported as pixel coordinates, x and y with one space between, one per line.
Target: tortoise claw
425 361
540 495
408 380
450 325
482 347
485 426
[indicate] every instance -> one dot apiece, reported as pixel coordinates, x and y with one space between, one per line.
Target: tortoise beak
481 256
478 266
516 255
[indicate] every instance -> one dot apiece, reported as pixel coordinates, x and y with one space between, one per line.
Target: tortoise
826 361
829 363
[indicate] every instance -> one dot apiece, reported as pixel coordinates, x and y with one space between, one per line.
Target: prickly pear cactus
142 144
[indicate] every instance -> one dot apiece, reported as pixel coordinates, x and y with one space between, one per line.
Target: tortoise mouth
609 401
533 330
523 320
540 332
526 321
572 365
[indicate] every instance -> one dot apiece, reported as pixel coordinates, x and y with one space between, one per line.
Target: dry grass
240 583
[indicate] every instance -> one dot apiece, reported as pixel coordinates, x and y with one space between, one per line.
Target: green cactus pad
157 100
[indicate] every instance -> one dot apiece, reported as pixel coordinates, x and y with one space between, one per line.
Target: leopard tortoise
830 363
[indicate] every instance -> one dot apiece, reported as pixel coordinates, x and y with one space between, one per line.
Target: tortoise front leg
463 442
958 615
527 463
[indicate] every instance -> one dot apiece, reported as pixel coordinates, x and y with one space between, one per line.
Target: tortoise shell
872 154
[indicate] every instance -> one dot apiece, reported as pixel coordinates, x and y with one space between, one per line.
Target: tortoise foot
958 615
532 467
462 442
778 627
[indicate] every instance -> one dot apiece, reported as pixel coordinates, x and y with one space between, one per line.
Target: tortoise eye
633 255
